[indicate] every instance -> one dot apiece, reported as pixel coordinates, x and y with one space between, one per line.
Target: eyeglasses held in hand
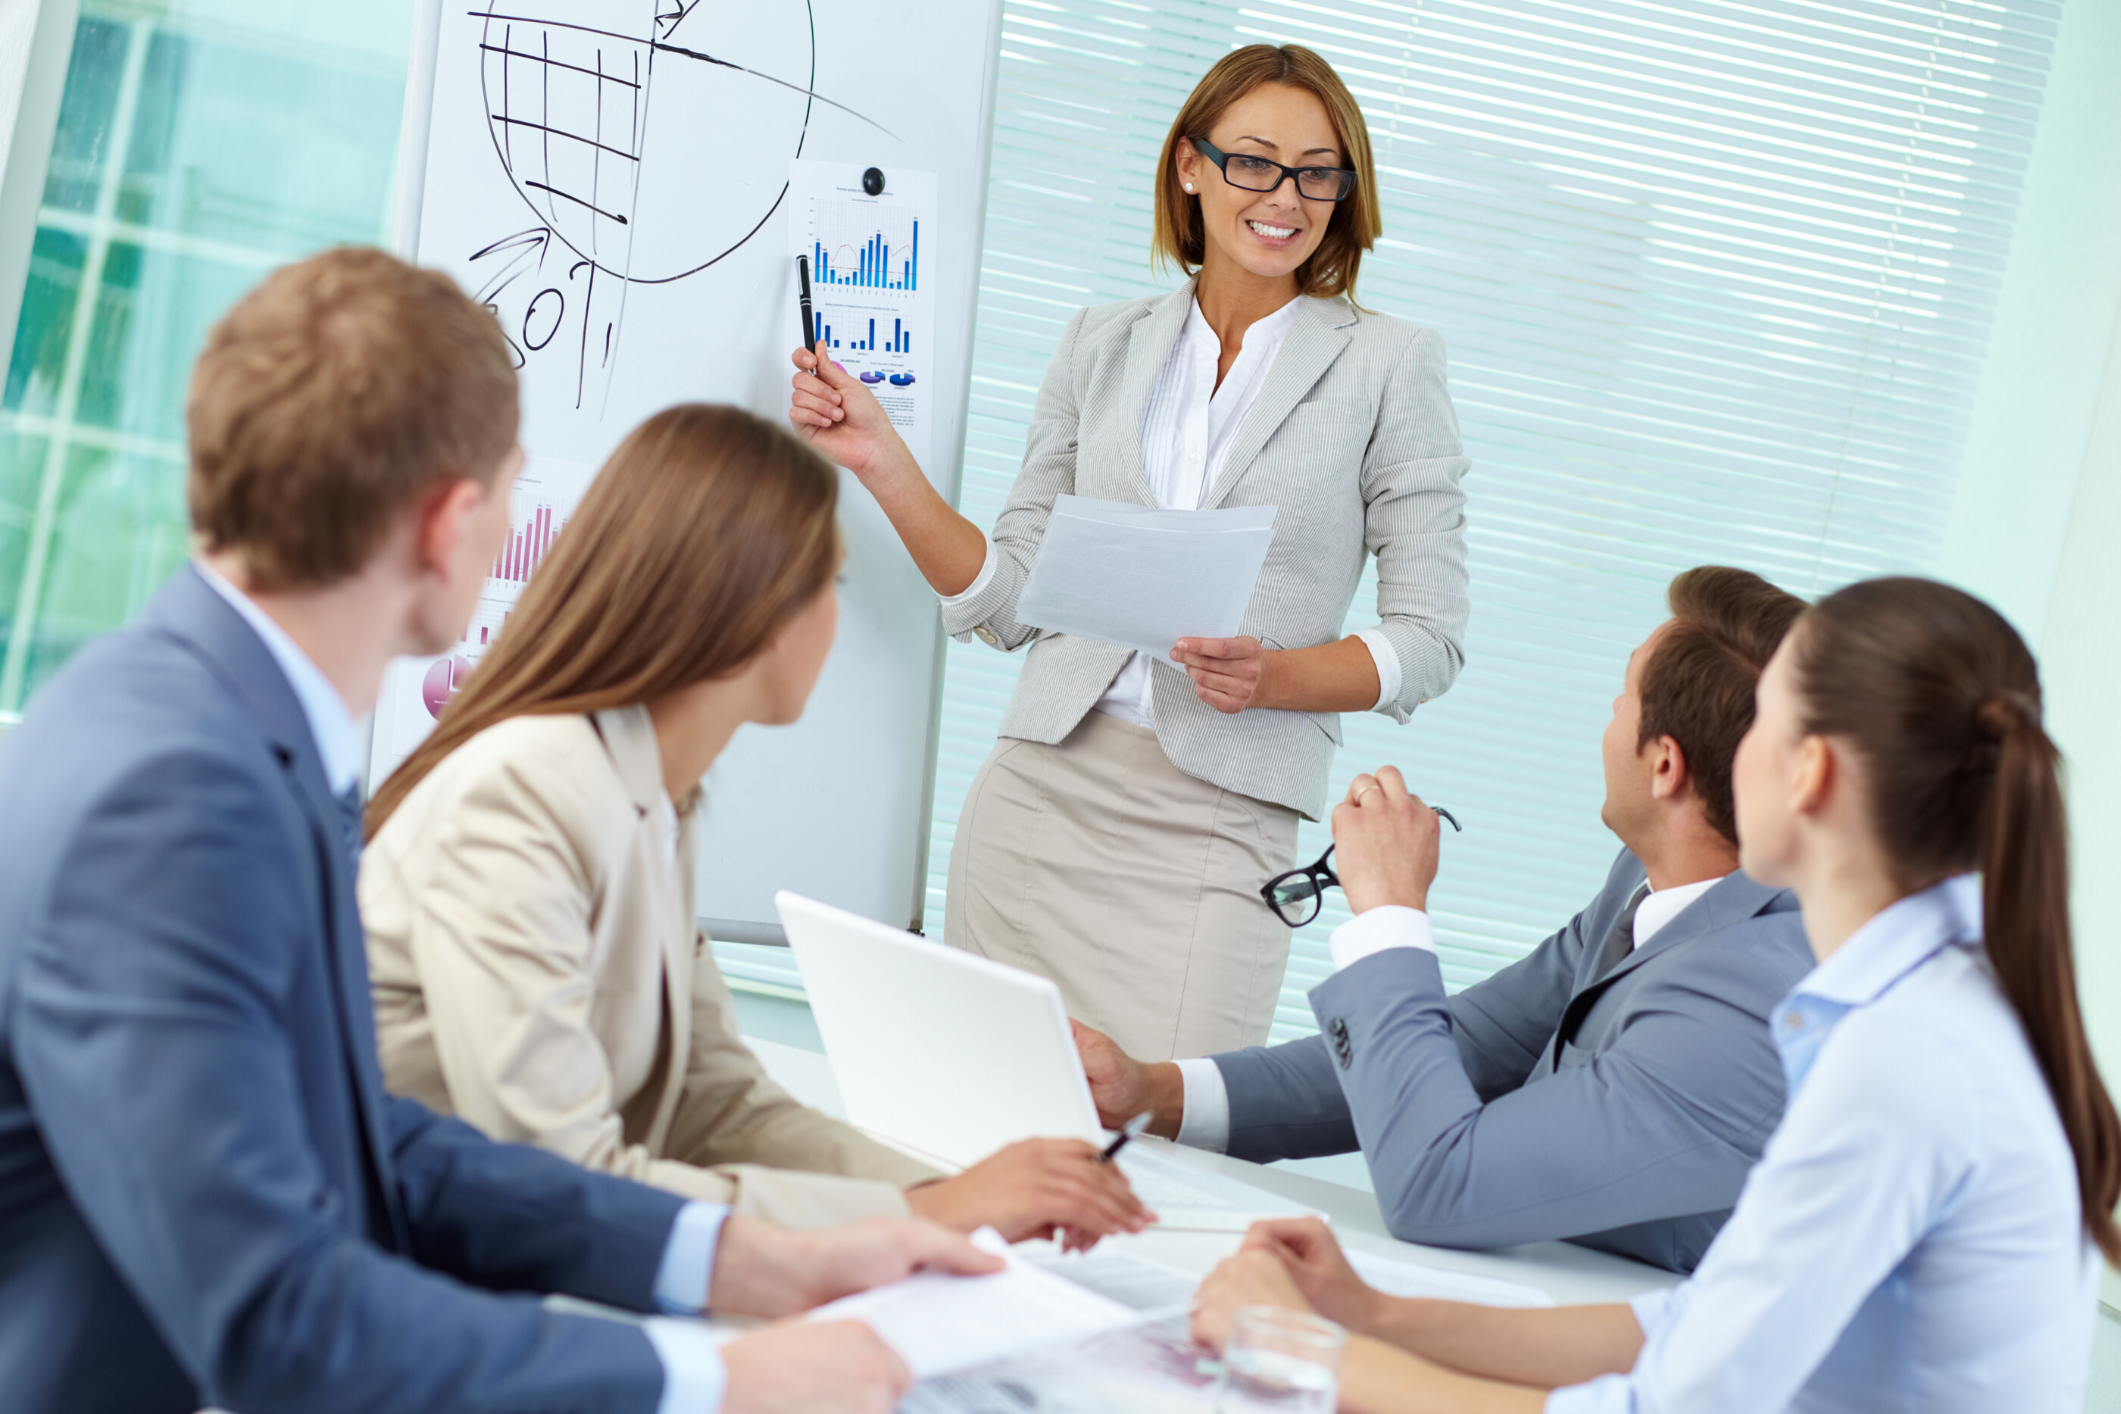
1249 173
1297 896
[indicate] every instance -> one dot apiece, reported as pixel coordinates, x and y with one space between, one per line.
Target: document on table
1397 1278
1145 578
1189 1199
1139 1283
940 1324
1153 1368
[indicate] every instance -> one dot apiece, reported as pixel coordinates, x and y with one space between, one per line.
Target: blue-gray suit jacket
206 1197
1620 1111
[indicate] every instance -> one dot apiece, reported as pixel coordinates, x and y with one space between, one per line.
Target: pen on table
1127 1132
802 275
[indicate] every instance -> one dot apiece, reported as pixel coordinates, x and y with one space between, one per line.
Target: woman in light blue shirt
1922 1231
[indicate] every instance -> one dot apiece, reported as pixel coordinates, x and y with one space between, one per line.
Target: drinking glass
1280 1362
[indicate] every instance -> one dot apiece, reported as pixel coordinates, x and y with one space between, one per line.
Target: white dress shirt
331 725
1187 432
694 1377
1911 1237
1205 1118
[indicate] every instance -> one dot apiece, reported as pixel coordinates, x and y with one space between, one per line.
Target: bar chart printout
416 690
870 257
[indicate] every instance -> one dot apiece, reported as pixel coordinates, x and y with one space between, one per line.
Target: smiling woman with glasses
1115 839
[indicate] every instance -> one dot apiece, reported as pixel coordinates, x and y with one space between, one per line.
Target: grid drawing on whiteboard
602 116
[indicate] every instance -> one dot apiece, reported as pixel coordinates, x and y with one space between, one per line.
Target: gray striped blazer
1354 442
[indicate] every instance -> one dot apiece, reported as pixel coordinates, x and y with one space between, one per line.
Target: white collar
330 724
1661 906
1267 328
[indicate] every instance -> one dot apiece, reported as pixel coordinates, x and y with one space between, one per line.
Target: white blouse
1187 432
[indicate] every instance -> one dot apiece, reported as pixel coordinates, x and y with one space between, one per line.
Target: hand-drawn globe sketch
652 137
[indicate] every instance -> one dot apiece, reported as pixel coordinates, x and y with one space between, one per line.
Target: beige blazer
1352 440
538 971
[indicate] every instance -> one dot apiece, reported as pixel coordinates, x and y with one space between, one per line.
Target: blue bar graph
873 268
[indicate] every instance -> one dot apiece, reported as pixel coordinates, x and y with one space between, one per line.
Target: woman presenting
1117 837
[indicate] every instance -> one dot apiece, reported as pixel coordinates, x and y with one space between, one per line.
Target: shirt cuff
686 1273
1390 925
986 576
1608 1394
694 1377
1389 677
1205 1121
1654 1310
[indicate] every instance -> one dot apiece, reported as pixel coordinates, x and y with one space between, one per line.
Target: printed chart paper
1145 578
415 690
871 286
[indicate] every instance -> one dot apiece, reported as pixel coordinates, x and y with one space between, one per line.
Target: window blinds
1716 279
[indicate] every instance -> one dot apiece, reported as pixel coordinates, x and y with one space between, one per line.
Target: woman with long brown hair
1924 1227
527 887
1117 837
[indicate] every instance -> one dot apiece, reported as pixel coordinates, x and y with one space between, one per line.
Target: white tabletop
1569 1274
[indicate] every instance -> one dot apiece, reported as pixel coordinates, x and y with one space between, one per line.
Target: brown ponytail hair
1940 698
705 533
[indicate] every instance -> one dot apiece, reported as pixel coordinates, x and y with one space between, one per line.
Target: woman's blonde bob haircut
703 535
1356 223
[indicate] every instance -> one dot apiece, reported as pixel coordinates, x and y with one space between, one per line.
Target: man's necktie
350 825
1620 941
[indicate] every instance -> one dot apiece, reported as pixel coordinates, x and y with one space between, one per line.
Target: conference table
1571 1275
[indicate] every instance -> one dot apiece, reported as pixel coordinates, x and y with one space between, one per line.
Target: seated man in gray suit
1613 1087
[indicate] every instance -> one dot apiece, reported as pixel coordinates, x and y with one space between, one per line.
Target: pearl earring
1189 186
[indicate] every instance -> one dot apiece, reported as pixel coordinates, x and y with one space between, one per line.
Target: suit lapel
1734 900
1314 341
629 737
1149 345
192 611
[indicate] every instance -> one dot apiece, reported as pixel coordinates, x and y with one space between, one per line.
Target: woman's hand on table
1036 1188
1311 1258
836 413
1254 1277
1226 672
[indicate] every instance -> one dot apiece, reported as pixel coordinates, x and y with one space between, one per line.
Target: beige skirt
1131 884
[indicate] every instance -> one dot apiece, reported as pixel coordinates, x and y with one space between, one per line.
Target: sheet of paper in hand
1145 578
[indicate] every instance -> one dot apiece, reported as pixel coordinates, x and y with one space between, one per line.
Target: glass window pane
199 145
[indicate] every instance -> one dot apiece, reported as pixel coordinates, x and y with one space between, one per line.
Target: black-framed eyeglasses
1249 173
1297 896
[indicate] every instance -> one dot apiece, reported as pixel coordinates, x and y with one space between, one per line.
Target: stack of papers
1145 578
940 1324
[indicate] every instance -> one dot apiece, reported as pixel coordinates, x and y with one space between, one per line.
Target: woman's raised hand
837 414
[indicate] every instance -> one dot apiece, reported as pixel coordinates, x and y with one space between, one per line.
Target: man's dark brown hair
1697 687
329 401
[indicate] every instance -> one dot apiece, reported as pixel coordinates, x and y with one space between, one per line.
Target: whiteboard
620 180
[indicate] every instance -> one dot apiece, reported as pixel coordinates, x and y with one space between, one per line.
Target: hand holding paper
1145 578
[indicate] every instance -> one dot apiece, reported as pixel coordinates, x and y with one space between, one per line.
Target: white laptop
950 1056
937 1050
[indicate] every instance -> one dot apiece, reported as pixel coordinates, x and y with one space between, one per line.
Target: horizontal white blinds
1716 279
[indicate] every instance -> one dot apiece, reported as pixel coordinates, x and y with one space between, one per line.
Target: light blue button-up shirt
1911 1238
694 1378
